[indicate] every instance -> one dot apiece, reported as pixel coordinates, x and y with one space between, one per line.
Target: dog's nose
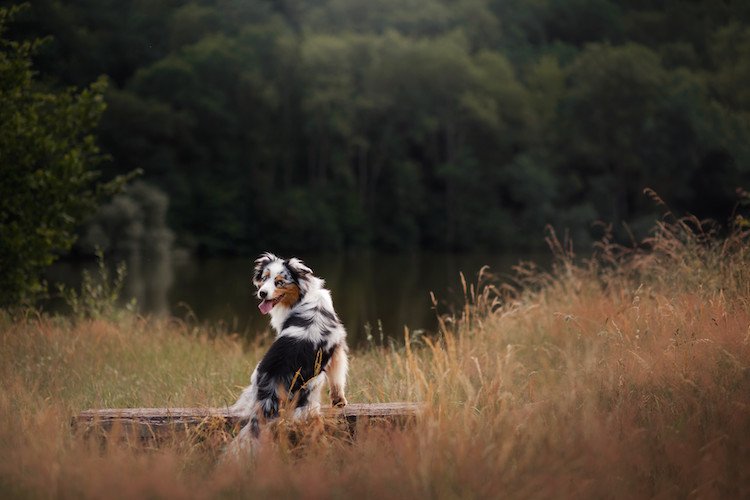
262 294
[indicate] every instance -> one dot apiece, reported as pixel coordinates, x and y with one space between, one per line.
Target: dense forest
396 124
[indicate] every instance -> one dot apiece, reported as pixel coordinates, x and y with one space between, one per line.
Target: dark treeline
395 124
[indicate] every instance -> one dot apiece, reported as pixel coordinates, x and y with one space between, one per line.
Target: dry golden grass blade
625 376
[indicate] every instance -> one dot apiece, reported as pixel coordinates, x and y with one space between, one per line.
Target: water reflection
149 281
367 289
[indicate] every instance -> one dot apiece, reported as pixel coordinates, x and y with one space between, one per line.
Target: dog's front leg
336 373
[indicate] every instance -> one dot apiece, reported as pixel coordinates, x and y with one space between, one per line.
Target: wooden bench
155 423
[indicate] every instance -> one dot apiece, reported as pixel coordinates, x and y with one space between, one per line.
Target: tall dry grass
622 376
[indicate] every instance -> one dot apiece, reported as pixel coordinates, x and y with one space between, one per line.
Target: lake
367 289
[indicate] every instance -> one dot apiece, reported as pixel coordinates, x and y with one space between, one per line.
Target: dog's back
310 345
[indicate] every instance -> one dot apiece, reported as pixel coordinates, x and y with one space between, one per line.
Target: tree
451 124
616 95
47 154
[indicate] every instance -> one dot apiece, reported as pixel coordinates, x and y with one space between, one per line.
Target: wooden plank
158 422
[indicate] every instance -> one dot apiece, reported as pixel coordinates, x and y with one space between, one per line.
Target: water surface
370 291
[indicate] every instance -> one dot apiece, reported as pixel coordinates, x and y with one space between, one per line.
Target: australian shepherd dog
310 346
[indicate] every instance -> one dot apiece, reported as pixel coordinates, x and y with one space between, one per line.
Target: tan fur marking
290 295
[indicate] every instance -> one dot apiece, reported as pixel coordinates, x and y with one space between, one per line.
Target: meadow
623 375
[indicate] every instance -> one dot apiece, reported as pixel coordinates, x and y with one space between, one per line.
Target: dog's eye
264 279
279 282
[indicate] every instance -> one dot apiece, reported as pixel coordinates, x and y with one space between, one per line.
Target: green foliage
431 123
132 223
99 296
47 154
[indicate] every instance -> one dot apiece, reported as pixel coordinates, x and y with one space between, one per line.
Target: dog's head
279 281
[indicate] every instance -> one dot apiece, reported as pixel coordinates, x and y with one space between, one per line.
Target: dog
310 346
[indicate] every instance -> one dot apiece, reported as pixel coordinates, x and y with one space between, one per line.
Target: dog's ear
300 271
260 264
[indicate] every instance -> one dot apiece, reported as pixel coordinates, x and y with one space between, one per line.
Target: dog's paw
339 401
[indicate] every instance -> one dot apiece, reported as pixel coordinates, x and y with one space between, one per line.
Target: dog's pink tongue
265 306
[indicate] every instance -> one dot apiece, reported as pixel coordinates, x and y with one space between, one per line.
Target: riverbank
622 377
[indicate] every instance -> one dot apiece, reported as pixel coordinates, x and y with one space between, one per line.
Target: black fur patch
287 366
297 320
260 264
297 269
330 316
294 274
331 321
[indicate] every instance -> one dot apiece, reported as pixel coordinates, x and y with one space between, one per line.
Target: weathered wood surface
156 422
